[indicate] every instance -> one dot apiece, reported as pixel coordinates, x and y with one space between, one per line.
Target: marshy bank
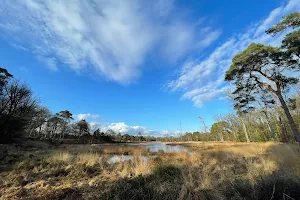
213 171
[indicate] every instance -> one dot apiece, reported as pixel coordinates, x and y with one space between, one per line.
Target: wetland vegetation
215 171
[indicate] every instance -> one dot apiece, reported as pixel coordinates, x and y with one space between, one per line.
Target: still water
158 146
153 147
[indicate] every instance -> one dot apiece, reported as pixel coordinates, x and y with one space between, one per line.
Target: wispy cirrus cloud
110 37
202 79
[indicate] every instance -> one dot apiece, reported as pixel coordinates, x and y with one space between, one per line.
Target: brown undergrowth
213 171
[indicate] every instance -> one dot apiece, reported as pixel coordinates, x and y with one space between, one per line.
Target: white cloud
110 37
87 116
95 122
122 128
202 79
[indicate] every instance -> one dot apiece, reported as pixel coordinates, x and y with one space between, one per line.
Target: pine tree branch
263 84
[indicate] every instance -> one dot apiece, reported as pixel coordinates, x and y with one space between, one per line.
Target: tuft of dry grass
138 166
61 156
260 167
90 159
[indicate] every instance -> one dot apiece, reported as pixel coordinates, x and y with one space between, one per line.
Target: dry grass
133 168
215 171
59 157
120 149
89 159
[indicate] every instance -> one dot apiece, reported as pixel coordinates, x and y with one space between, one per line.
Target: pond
154 147
158 146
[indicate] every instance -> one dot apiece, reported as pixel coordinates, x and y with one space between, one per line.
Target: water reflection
158 146
153 147
122 158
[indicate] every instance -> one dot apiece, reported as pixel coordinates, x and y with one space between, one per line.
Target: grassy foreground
214 171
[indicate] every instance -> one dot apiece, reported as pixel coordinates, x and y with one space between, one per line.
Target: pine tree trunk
283 131
289 116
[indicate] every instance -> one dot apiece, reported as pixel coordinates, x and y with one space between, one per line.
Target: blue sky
133 65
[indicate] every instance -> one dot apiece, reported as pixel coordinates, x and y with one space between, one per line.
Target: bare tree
17 106
203 123
42 114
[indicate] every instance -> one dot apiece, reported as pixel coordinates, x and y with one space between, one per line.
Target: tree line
21 116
